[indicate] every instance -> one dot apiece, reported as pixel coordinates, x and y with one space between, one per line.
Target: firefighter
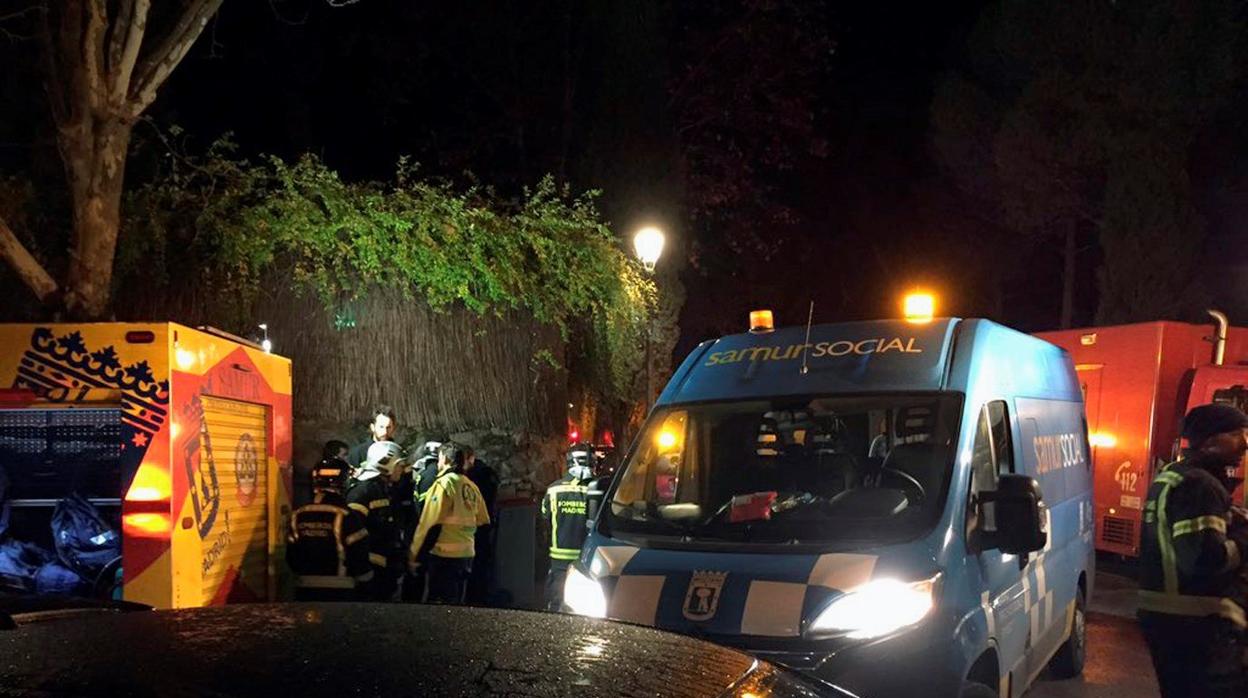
302 484
448 523
564 511
1193 595
371 497
327 544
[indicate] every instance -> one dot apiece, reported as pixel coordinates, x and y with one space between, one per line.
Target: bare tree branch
93 52
117 33
69 91
157 67
213 44
135 14
277 14
68 54
56 98
28 269
19 14
38 7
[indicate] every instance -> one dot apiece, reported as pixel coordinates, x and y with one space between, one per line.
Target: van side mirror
593 498
1018 522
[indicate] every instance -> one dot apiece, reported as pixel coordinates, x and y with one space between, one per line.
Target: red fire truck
1138 382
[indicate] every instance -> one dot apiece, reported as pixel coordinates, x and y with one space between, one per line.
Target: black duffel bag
85 542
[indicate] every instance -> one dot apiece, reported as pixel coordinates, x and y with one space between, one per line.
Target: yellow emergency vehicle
181 435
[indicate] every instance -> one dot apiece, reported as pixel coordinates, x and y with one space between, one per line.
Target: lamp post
265 344
648 244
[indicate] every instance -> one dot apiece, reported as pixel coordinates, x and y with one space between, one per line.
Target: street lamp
265 344
648 244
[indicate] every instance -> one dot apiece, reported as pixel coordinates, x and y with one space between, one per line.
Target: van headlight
877 608
583 595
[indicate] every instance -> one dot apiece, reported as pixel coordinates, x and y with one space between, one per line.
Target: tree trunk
96 166
1068 279
99 81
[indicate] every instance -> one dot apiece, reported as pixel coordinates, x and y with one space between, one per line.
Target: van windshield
851 471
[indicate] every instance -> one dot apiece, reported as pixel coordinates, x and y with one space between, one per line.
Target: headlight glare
584 596
877 608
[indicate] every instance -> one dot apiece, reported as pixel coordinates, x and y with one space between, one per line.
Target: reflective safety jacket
1188 564
565 513
450 517
371 498
327 544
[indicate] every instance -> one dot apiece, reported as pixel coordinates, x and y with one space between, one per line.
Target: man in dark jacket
327 546
381 427
565 513
481 577
370 496
1193 596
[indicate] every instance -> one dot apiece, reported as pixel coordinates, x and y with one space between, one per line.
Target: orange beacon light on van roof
761 322
919 307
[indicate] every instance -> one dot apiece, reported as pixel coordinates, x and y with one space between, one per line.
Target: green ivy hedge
225 225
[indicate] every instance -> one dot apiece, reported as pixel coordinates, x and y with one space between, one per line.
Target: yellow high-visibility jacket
455 508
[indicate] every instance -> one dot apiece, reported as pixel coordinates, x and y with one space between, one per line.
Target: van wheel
971 689
1069 660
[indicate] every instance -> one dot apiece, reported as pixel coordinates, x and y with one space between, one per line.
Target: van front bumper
919 661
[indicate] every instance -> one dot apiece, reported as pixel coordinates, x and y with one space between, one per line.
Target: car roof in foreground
373 650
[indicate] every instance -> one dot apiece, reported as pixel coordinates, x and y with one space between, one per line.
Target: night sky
512 91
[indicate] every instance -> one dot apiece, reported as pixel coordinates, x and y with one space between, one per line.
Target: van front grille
1118 531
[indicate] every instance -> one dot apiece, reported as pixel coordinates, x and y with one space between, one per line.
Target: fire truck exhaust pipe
1219 339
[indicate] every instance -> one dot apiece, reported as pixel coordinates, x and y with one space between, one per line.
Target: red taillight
140 337
146 525
147 503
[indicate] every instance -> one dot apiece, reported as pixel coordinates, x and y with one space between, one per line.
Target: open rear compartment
48 454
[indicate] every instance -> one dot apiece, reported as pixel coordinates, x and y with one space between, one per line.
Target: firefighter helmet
330 474
430 449
580 461
384 457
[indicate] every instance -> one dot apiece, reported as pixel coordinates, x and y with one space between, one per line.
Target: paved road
1118 663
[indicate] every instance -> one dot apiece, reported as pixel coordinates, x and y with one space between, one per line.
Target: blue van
894 507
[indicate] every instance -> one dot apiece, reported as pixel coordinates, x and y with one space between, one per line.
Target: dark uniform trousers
1192 587
448 578
555 578
1196 657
